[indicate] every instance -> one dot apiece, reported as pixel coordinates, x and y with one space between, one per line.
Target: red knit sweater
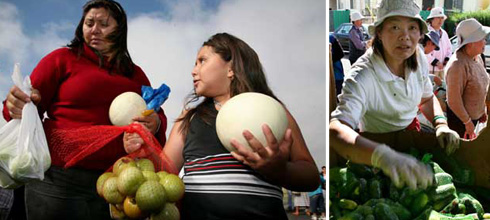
76 92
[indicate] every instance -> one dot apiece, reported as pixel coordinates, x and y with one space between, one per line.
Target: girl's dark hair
121 62
248 75
377 45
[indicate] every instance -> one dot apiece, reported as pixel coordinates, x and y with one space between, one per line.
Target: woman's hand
16 99
151 122
402 169
269 160
132 142
470 130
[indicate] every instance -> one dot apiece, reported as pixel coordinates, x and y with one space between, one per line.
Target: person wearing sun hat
430 42
383 92
357 44
438 59
467 80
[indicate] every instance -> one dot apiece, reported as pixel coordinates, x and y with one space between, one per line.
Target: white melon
249 111
126 106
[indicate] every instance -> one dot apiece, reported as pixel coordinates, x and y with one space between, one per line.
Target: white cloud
289 37
50 37
13 43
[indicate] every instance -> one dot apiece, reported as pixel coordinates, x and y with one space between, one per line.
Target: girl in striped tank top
242 184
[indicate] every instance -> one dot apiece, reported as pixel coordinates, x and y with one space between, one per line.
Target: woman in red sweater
74 87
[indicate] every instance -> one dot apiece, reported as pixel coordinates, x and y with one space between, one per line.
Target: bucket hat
434 37
390 8
469 31
437 12
355 15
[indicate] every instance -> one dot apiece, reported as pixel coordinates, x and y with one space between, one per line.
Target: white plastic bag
24 153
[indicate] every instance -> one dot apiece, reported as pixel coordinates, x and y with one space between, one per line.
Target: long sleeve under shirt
467 85
76 92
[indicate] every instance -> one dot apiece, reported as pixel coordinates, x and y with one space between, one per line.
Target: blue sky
165 35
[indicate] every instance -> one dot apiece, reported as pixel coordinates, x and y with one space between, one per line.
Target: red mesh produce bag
73 145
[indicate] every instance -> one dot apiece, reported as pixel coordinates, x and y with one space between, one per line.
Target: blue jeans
317 204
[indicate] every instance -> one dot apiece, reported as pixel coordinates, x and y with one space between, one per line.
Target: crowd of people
74 87
409 69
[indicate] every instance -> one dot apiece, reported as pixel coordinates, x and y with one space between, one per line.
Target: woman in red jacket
74 87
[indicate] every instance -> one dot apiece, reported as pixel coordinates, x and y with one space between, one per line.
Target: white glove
447 138
402 168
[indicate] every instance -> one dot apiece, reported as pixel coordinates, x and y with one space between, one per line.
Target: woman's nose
404 35
95 29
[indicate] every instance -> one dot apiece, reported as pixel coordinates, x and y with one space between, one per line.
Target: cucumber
364 210
393 191
401 212
425 214
418 203
335 210
374 189
369 217
363 190
405 197
360 170
352 216
347 204
383 211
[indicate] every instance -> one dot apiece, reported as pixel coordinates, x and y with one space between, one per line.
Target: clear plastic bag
24 153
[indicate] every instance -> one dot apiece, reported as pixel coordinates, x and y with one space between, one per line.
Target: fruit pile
361 192
135 191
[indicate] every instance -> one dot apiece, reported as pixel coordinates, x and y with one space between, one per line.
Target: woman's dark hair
377 45
121 63
248 75
429 21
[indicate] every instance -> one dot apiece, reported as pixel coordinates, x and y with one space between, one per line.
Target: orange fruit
131 209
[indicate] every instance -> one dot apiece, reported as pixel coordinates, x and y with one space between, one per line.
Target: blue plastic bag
154 98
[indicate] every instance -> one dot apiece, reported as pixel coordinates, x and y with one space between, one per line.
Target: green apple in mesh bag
110 193
169 212
174 187
149 175
100 182
145 165
129 180
122 163
150 196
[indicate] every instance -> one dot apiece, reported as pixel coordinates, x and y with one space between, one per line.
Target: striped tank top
220 187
